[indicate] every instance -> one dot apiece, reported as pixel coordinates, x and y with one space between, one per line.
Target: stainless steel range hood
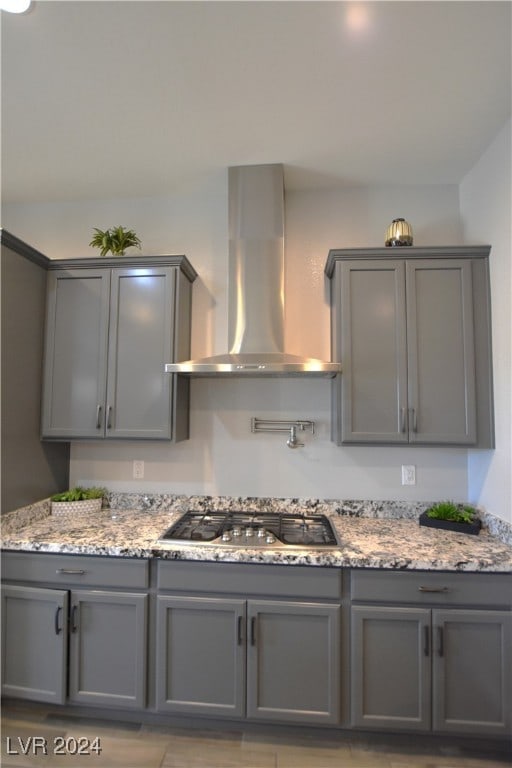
256 284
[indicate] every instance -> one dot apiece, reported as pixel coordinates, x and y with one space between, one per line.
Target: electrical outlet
138 469
408 474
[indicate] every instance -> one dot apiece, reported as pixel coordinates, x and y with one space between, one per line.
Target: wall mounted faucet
278 425
292 441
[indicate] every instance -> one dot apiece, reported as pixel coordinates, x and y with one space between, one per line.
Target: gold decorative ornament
399 233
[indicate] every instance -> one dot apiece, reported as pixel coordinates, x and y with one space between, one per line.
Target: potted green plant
81 500
114 240
452 517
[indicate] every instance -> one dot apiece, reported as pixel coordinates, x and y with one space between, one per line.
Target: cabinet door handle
426 647
58 629
74 622
109 417
71 571
403 419
253 630
99 409
240 630
440 641
413 420
433 589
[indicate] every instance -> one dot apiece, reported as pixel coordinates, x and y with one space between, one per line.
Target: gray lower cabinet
67 643
413 337
34 643
109 332
268 660
200 655
390 679
107 648
472 671
293 653
432 668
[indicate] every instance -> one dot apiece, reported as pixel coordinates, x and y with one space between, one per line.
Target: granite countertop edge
372 534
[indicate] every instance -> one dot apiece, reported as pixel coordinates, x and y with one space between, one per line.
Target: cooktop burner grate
251 529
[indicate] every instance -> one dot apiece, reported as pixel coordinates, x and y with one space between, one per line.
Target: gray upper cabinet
413 336
109 332
22 305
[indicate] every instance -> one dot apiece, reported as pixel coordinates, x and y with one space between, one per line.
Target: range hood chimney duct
256 284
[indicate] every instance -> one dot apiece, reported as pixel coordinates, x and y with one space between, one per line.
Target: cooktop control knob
270 538
261 533
226 536
237 531
249 532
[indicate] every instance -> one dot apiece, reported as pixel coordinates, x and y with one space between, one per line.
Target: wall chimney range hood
255 284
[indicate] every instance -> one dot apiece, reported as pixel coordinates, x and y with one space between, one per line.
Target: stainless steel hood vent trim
255 284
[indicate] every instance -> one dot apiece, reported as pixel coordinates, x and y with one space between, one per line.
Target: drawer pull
433 589
426 647
71 571
58 629
74 623
440 639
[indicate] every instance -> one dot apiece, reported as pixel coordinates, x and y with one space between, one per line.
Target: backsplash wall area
223 457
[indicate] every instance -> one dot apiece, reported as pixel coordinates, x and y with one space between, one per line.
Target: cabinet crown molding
406 252
126 262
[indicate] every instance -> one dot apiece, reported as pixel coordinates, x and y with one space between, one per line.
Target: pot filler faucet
277 425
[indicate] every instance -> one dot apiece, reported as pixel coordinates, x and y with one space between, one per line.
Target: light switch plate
138 469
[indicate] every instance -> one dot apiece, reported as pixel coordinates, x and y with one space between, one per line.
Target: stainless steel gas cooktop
251 529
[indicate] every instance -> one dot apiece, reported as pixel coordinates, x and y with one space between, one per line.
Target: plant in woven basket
79 494
78 500
114 240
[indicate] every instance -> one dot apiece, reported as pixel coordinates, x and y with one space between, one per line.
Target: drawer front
290 581
71 570
422 587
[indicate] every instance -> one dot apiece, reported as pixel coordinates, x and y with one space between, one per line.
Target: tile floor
132 745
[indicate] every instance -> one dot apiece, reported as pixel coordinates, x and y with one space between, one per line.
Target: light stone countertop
371 535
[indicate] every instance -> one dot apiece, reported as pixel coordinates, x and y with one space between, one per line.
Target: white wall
485 202
222 456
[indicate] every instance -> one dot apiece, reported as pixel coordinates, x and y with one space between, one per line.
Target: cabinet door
76 354
293 661
200 655
34 643
390 658
373 352
141 342
472 672
108 648
440 348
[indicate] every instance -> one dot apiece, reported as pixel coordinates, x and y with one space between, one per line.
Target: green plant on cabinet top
116 240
